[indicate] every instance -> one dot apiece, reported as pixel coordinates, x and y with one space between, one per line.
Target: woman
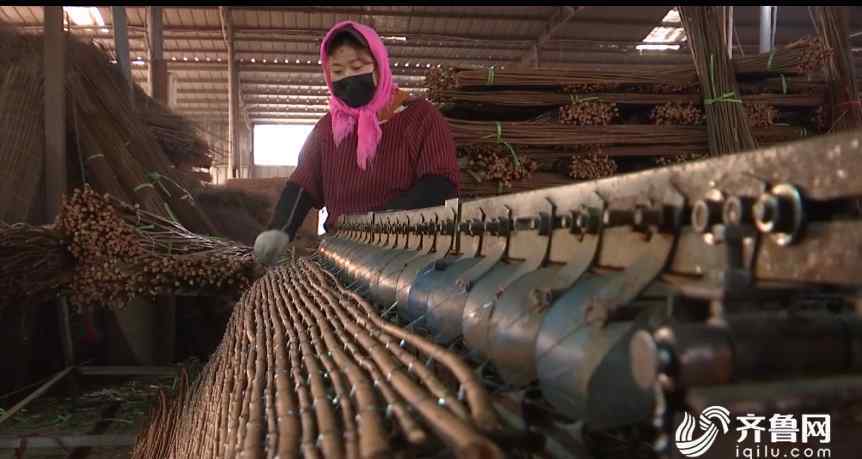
376 149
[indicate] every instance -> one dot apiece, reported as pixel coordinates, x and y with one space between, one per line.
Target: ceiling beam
370 11
562 15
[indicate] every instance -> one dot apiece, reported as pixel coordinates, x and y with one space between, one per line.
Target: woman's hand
271 246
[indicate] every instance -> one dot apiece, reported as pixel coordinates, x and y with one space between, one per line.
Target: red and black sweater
415 167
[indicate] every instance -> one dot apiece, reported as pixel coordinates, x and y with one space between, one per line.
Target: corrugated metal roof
277 46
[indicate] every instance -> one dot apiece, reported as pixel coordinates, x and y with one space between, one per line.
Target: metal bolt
705 214
615 217
586 221
737 210
774 214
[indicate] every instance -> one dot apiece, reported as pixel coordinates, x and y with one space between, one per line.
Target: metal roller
518 313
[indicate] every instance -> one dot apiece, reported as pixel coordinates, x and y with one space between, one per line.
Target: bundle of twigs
589 112
494 163
590 87
179 138
34 263
439 80
677 114
307 368
800 58
670 160
21 136
591 165
760 115
120 138
538 98
832 27
539 133
471 188
576 75
122 252
727 128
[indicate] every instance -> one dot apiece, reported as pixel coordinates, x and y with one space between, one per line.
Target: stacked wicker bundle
687 114
120 148
727 127
21 128
34 263
760 115
179 138
591 165
634 111
121 252
307 368
832 27
494 163
438 80
589 112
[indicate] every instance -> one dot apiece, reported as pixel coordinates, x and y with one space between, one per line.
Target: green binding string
142 186
769 69
171 213
500 140
576 100
491 74
726 97
155 177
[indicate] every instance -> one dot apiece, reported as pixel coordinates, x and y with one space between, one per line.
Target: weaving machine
578 321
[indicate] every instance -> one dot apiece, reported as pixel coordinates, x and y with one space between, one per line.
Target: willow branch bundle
539 133
678 159
439 80
589 113
34 263
179 138
122 252
578 74
494 163
22 137
800 58
525 98
591 165
677 114
308 369
760 115
727 129
127 138
832 28
470 188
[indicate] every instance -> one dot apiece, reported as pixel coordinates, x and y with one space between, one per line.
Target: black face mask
355 91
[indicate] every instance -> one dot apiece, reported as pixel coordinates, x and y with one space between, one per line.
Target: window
85 16
279 144
665 36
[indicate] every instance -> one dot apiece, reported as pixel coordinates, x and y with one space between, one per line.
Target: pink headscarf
345 117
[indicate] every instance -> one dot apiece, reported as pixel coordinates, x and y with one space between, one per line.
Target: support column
766 29
55 110
56 175
234 122
121 45
158 70
251 166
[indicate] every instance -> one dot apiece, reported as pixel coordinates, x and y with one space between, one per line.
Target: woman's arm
436 169
429 191
304 189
